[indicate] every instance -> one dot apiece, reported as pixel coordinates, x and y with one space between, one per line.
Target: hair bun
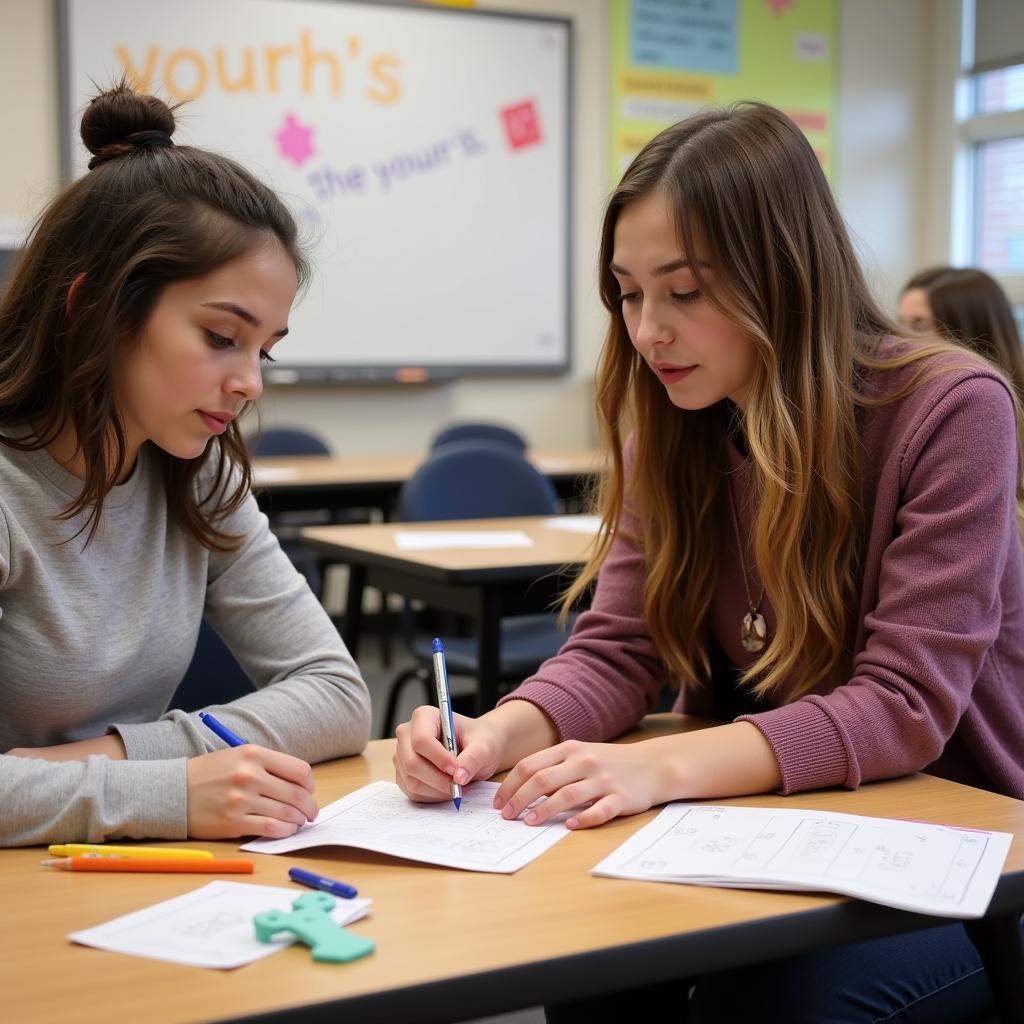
115 116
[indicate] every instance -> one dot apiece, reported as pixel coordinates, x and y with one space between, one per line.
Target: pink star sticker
295 141
778 6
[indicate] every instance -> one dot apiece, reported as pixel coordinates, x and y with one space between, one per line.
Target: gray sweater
95 640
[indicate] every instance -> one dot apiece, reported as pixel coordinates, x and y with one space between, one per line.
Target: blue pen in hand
222 731
314 881
444 704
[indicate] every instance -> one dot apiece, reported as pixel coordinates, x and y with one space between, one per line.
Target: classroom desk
373 481
453 945
485 584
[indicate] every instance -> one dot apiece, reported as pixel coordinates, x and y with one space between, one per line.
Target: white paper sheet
380 817
575 524
933 869
434 540
209 927
270 474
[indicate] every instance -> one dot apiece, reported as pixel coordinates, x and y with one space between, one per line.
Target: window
1000 90
999 196
987 215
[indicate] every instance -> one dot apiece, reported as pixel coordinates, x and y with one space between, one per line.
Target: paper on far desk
433 540
270 474
574 523
382 818
209 927
932 869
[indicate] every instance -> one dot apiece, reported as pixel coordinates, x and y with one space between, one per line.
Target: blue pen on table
314 881
221 730
444 704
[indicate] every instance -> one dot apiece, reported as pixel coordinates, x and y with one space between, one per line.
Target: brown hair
745 182
925 277
147 214
970 308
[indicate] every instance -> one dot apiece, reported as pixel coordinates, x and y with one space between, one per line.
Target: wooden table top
482 940
329 470
550 547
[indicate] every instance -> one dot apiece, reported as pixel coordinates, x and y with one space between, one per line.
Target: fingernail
573 823
497 803
507 811
462 776
449 769
531 818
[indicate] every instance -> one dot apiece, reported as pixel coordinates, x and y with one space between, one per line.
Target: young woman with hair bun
132 334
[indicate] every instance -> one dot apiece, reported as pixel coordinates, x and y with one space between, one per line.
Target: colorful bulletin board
425 150
671 58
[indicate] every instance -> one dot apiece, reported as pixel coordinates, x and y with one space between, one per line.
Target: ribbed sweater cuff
145 799
572 719
807 745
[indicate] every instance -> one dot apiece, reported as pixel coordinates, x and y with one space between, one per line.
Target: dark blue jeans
929 977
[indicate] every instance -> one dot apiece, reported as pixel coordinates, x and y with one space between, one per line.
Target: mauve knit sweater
937 677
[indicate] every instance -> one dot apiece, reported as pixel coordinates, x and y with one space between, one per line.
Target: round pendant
753 632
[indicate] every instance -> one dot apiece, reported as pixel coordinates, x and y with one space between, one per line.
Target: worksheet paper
210 927
436 540
932 869
380 817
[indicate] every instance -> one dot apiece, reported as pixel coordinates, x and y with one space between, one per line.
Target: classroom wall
885 67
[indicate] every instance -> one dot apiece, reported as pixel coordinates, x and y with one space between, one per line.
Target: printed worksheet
210 927
932 869
380 817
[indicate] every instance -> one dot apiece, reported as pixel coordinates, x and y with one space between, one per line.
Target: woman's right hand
424 769
248 791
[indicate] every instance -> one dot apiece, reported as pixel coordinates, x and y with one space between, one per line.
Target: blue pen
222 731
303 877
444 704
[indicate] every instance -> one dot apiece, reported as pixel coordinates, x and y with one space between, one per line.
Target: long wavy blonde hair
745 182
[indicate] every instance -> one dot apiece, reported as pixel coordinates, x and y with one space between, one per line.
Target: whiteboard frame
304 374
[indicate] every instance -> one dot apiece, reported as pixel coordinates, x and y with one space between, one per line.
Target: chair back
473 480
213 676
479 432
286 441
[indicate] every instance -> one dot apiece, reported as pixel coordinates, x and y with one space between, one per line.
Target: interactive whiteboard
425 151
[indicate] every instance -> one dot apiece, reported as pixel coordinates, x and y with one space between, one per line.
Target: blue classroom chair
456 432
477 480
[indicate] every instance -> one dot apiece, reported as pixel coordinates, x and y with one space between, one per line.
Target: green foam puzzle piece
310 920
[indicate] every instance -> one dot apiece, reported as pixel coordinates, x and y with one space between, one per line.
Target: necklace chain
739 546
753 629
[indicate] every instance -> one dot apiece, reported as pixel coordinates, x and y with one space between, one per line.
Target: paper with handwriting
380 817
931 869
209 927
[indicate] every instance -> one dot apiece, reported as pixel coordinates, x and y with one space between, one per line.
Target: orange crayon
206 867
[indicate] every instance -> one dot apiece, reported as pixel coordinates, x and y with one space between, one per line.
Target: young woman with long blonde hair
809 524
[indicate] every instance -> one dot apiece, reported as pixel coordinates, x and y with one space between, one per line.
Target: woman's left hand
604 778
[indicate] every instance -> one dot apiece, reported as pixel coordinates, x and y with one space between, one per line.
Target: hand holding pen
247 790
425 768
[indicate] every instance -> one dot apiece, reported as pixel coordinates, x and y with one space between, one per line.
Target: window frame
959 133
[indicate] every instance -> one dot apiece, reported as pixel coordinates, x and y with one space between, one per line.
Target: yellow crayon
96 850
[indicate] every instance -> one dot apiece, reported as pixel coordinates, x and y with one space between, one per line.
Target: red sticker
522 127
